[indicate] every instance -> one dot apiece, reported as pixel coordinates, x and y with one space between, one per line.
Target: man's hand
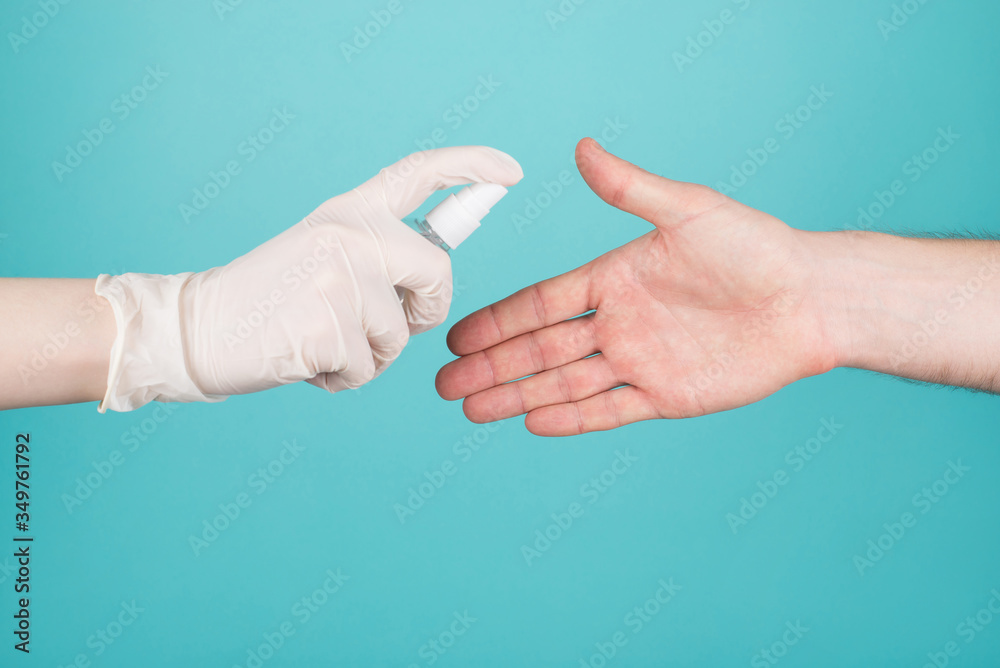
717 307
709 311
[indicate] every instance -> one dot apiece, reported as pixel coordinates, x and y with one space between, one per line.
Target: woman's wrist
58 345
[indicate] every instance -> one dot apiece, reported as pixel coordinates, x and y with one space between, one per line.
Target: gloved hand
315 303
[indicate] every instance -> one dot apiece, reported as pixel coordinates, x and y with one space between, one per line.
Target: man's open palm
709 311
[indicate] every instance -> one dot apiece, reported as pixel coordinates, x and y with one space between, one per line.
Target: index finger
540 305
405 184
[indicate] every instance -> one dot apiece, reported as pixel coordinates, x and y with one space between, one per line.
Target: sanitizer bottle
453 220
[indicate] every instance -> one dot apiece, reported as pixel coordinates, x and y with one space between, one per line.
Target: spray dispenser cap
458 215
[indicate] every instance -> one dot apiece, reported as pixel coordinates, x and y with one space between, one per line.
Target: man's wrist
918 308
845 285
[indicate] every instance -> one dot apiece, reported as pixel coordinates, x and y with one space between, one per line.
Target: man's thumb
630 188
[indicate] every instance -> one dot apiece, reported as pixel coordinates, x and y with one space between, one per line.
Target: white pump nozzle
458 216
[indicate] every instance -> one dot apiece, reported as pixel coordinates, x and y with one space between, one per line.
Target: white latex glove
315 303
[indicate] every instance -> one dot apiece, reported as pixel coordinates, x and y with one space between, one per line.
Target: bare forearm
924 309
56 342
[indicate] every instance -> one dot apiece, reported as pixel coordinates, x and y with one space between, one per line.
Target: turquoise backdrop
320 567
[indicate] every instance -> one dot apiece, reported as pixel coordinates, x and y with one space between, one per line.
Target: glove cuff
147 358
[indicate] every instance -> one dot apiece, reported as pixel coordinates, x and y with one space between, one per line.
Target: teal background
333 507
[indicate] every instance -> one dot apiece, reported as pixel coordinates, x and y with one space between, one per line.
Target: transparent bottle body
427 232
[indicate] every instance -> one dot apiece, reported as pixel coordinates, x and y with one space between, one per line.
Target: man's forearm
924 309
55 342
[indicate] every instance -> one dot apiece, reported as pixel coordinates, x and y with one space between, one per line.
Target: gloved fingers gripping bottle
459 215
317 302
